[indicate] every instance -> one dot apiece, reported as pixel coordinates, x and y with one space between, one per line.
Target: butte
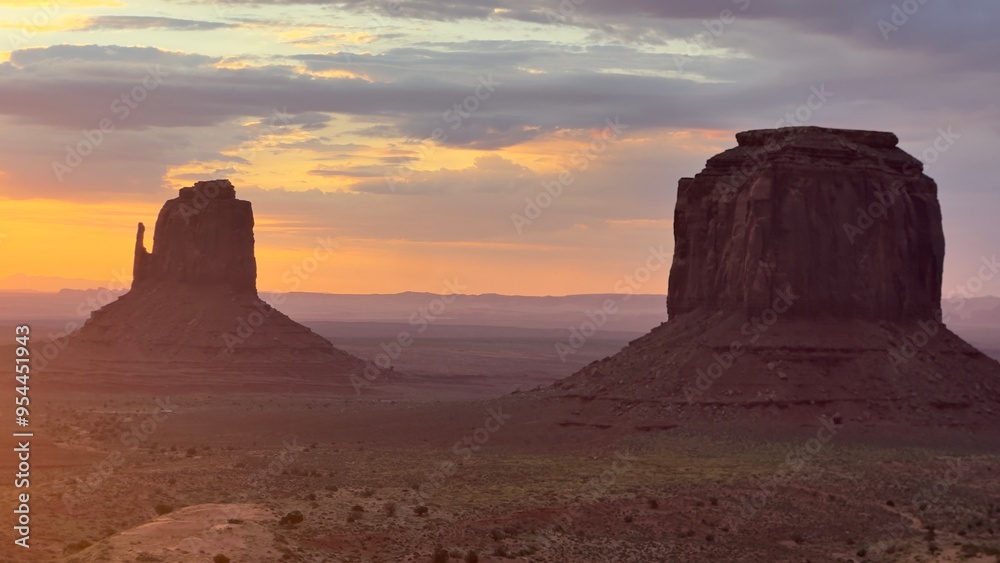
806 279
193 316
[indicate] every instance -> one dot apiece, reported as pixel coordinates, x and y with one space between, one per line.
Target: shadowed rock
204 237
193 306
806 279
843 219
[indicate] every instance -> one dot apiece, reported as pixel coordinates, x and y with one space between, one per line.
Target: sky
416 138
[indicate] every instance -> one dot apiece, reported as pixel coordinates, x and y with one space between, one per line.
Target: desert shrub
390 509
798 538
235 521
147 557
367 492
162 509
357 508
220 558
440 555
292 518
472 556
501 551
420 510
78 546
654 504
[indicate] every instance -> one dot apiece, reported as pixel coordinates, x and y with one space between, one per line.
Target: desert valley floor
283 475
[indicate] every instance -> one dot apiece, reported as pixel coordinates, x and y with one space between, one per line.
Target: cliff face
194 306
806 280
202 237
844 220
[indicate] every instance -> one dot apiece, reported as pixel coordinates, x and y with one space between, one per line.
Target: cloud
963 30
117 23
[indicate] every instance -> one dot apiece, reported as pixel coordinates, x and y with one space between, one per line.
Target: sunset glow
415 142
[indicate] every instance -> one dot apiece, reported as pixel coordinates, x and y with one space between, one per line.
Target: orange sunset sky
411 133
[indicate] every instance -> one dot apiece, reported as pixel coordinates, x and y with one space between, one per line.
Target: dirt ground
260 477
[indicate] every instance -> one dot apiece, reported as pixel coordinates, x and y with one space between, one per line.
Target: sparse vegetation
162 509
77 546
291 519
220 558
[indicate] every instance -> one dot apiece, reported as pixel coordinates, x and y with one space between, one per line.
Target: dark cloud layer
105 23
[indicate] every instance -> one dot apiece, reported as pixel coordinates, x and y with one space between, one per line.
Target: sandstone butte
806 279
193 306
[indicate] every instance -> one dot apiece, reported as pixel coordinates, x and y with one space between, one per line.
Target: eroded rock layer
843 219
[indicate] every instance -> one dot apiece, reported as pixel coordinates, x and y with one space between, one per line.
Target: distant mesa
806 276
194 304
